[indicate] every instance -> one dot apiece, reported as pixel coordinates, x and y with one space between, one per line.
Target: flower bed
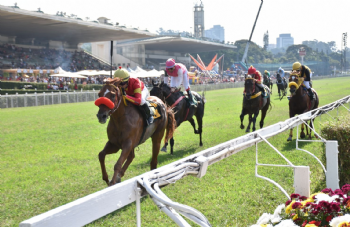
323 209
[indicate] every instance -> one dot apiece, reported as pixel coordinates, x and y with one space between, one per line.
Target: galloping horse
253 102
282 86
268 82
183 112
127 129
300 102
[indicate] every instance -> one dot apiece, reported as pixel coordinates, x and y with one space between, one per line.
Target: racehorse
183 112
268 82
282 86
127 129
253 102
300 102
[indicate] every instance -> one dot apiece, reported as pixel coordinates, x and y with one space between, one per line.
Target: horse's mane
113 80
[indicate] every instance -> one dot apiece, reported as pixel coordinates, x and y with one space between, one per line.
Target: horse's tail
203 97
170 129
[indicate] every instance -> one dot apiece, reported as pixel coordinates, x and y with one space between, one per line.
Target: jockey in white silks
179 75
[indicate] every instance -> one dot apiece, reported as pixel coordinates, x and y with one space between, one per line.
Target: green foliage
340 130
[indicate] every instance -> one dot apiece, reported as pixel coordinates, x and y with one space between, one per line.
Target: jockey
305 72
258 79
136 92
179 75
267 73
281 72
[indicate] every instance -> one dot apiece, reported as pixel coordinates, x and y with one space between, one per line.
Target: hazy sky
324 20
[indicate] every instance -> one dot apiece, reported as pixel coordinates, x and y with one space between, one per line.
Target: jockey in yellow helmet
136 92
305 72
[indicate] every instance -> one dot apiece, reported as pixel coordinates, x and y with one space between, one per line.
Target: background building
284 41
217 32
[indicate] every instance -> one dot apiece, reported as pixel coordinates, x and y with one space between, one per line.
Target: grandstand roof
178 44
28 24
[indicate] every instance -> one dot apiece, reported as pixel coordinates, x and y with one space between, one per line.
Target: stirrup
150 120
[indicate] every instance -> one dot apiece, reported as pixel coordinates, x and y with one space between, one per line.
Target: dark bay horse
126 128
253 102
268 82
282 86
177 101
300 102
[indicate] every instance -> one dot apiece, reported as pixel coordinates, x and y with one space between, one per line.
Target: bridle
253 83
120 99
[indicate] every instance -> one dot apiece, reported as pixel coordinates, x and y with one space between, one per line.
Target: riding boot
190 98
148 113
310 93
262 89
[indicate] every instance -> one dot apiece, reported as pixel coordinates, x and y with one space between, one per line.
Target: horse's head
157 90
278 77
294 82
249 86
108 99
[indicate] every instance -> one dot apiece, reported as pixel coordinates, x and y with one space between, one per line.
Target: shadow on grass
178 154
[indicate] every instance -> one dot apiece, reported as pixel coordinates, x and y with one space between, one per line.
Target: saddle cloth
154 106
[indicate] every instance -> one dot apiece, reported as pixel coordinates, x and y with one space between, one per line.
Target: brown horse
253 102
268 82
300 102
127 129
178 102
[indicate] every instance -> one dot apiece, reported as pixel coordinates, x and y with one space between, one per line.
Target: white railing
97 205
46 98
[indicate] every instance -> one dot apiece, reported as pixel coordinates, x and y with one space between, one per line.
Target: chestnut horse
127 129
177 101
253 102
300 102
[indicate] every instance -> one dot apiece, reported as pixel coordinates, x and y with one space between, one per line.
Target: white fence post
302 180
332 176
36 99
25 100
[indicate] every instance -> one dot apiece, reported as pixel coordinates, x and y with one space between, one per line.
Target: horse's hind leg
108 149
172 142
302 133
200 125
193 125
156 140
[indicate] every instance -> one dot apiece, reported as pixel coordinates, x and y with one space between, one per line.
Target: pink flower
302 198
335 206
288 202
296 205
328 191
346 188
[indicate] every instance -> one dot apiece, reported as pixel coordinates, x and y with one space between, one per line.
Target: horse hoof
200 144
242 126
302 135
248 130
118 180
164 149
289 138
195 131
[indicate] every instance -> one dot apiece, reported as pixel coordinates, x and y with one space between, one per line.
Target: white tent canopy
68 74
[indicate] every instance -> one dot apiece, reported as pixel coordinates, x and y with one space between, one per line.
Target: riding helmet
296 65
123 74
251 70
170 63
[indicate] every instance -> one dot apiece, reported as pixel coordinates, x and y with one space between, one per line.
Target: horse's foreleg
302 133
193 125
127 163
250 121
242 118
118 170
254 119
108 149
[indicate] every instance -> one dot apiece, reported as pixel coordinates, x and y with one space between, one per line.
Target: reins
120 99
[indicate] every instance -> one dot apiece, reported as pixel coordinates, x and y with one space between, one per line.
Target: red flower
288 202
335 206
294 196
315 222
302 198
329 218
328 191
304 223
296 205
345 188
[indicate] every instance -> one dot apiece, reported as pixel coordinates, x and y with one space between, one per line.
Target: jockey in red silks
258 79
136 92
179 75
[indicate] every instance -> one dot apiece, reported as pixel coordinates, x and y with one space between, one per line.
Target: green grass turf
48 157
